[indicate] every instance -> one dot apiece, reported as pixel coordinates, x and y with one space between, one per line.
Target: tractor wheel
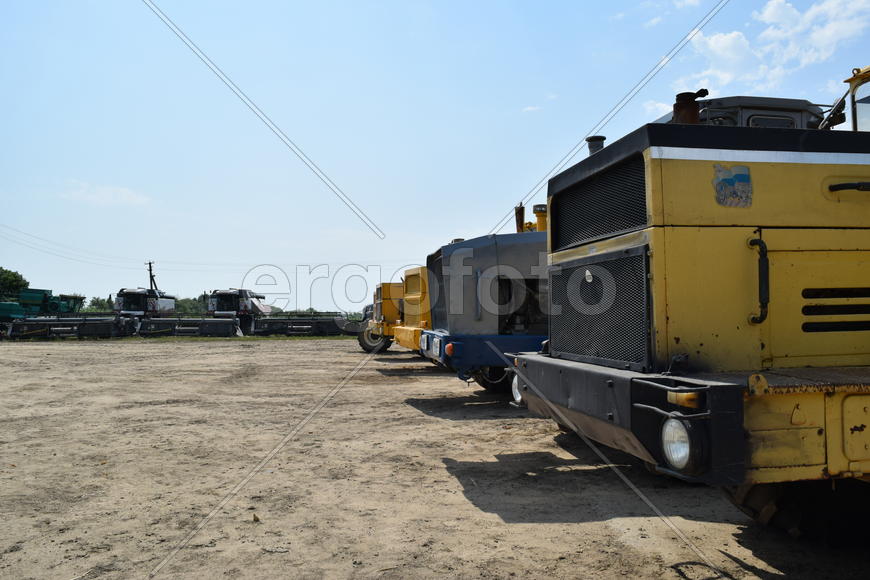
799 508
805 508
373 342
494 379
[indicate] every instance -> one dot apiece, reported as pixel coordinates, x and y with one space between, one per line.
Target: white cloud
102 195
656 109
531 109
552 96
618 16
652 22
729 56
684 3
802 39
791 41
778 12
835 87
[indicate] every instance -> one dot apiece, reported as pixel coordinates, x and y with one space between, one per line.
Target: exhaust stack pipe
687 109
595 143
520 218
540 211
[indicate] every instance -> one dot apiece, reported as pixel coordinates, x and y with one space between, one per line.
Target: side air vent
606 204
836 293
851 316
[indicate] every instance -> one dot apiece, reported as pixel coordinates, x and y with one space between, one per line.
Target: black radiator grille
608 203
437 291
601 310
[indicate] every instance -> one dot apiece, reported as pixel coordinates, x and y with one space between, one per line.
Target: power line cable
616 109
319 173
66 248
70 252
66 257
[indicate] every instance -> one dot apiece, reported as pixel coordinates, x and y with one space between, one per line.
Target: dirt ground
112 453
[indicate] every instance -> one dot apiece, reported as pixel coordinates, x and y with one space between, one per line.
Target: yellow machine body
704 278
799 430
416 314
387 308
815 239
859 76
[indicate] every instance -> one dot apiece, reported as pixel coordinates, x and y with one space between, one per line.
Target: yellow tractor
710 301
416 313
399 313
380 321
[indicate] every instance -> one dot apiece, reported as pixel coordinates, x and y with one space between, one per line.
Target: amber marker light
448 350
689 400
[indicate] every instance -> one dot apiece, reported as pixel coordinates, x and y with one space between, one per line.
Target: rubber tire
494 380
767 504
369 343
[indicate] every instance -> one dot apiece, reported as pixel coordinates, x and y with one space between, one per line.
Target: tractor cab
857 97
144 302
859 92
237 302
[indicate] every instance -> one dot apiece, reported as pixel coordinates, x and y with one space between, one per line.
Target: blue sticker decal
733 185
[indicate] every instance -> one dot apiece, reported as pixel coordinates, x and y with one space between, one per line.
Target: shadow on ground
421 370
800 557
399 357
542 487
476 405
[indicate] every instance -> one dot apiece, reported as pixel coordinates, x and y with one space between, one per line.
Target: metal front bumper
474 352
626 409
407 336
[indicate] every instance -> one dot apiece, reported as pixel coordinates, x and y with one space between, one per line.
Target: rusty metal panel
786 433
787 448
856 427
785 412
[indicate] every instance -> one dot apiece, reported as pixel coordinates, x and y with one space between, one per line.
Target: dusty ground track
112 452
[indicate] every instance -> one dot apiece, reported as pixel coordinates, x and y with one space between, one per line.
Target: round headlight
515 389
676 444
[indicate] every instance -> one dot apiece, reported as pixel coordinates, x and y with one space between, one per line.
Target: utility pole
151 275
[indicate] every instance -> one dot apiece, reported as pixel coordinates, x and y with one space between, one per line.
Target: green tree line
11 283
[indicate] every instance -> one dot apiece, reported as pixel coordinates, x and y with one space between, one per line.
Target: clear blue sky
120 146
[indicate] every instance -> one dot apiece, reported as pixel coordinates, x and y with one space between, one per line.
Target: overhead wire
66 247
660 64
64 251
61 255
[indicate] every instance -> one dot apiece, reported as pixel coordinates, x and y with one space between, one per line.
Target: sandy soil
112 453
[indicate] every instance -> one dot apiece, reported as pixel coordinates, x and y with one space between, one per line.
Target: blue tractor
488 297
